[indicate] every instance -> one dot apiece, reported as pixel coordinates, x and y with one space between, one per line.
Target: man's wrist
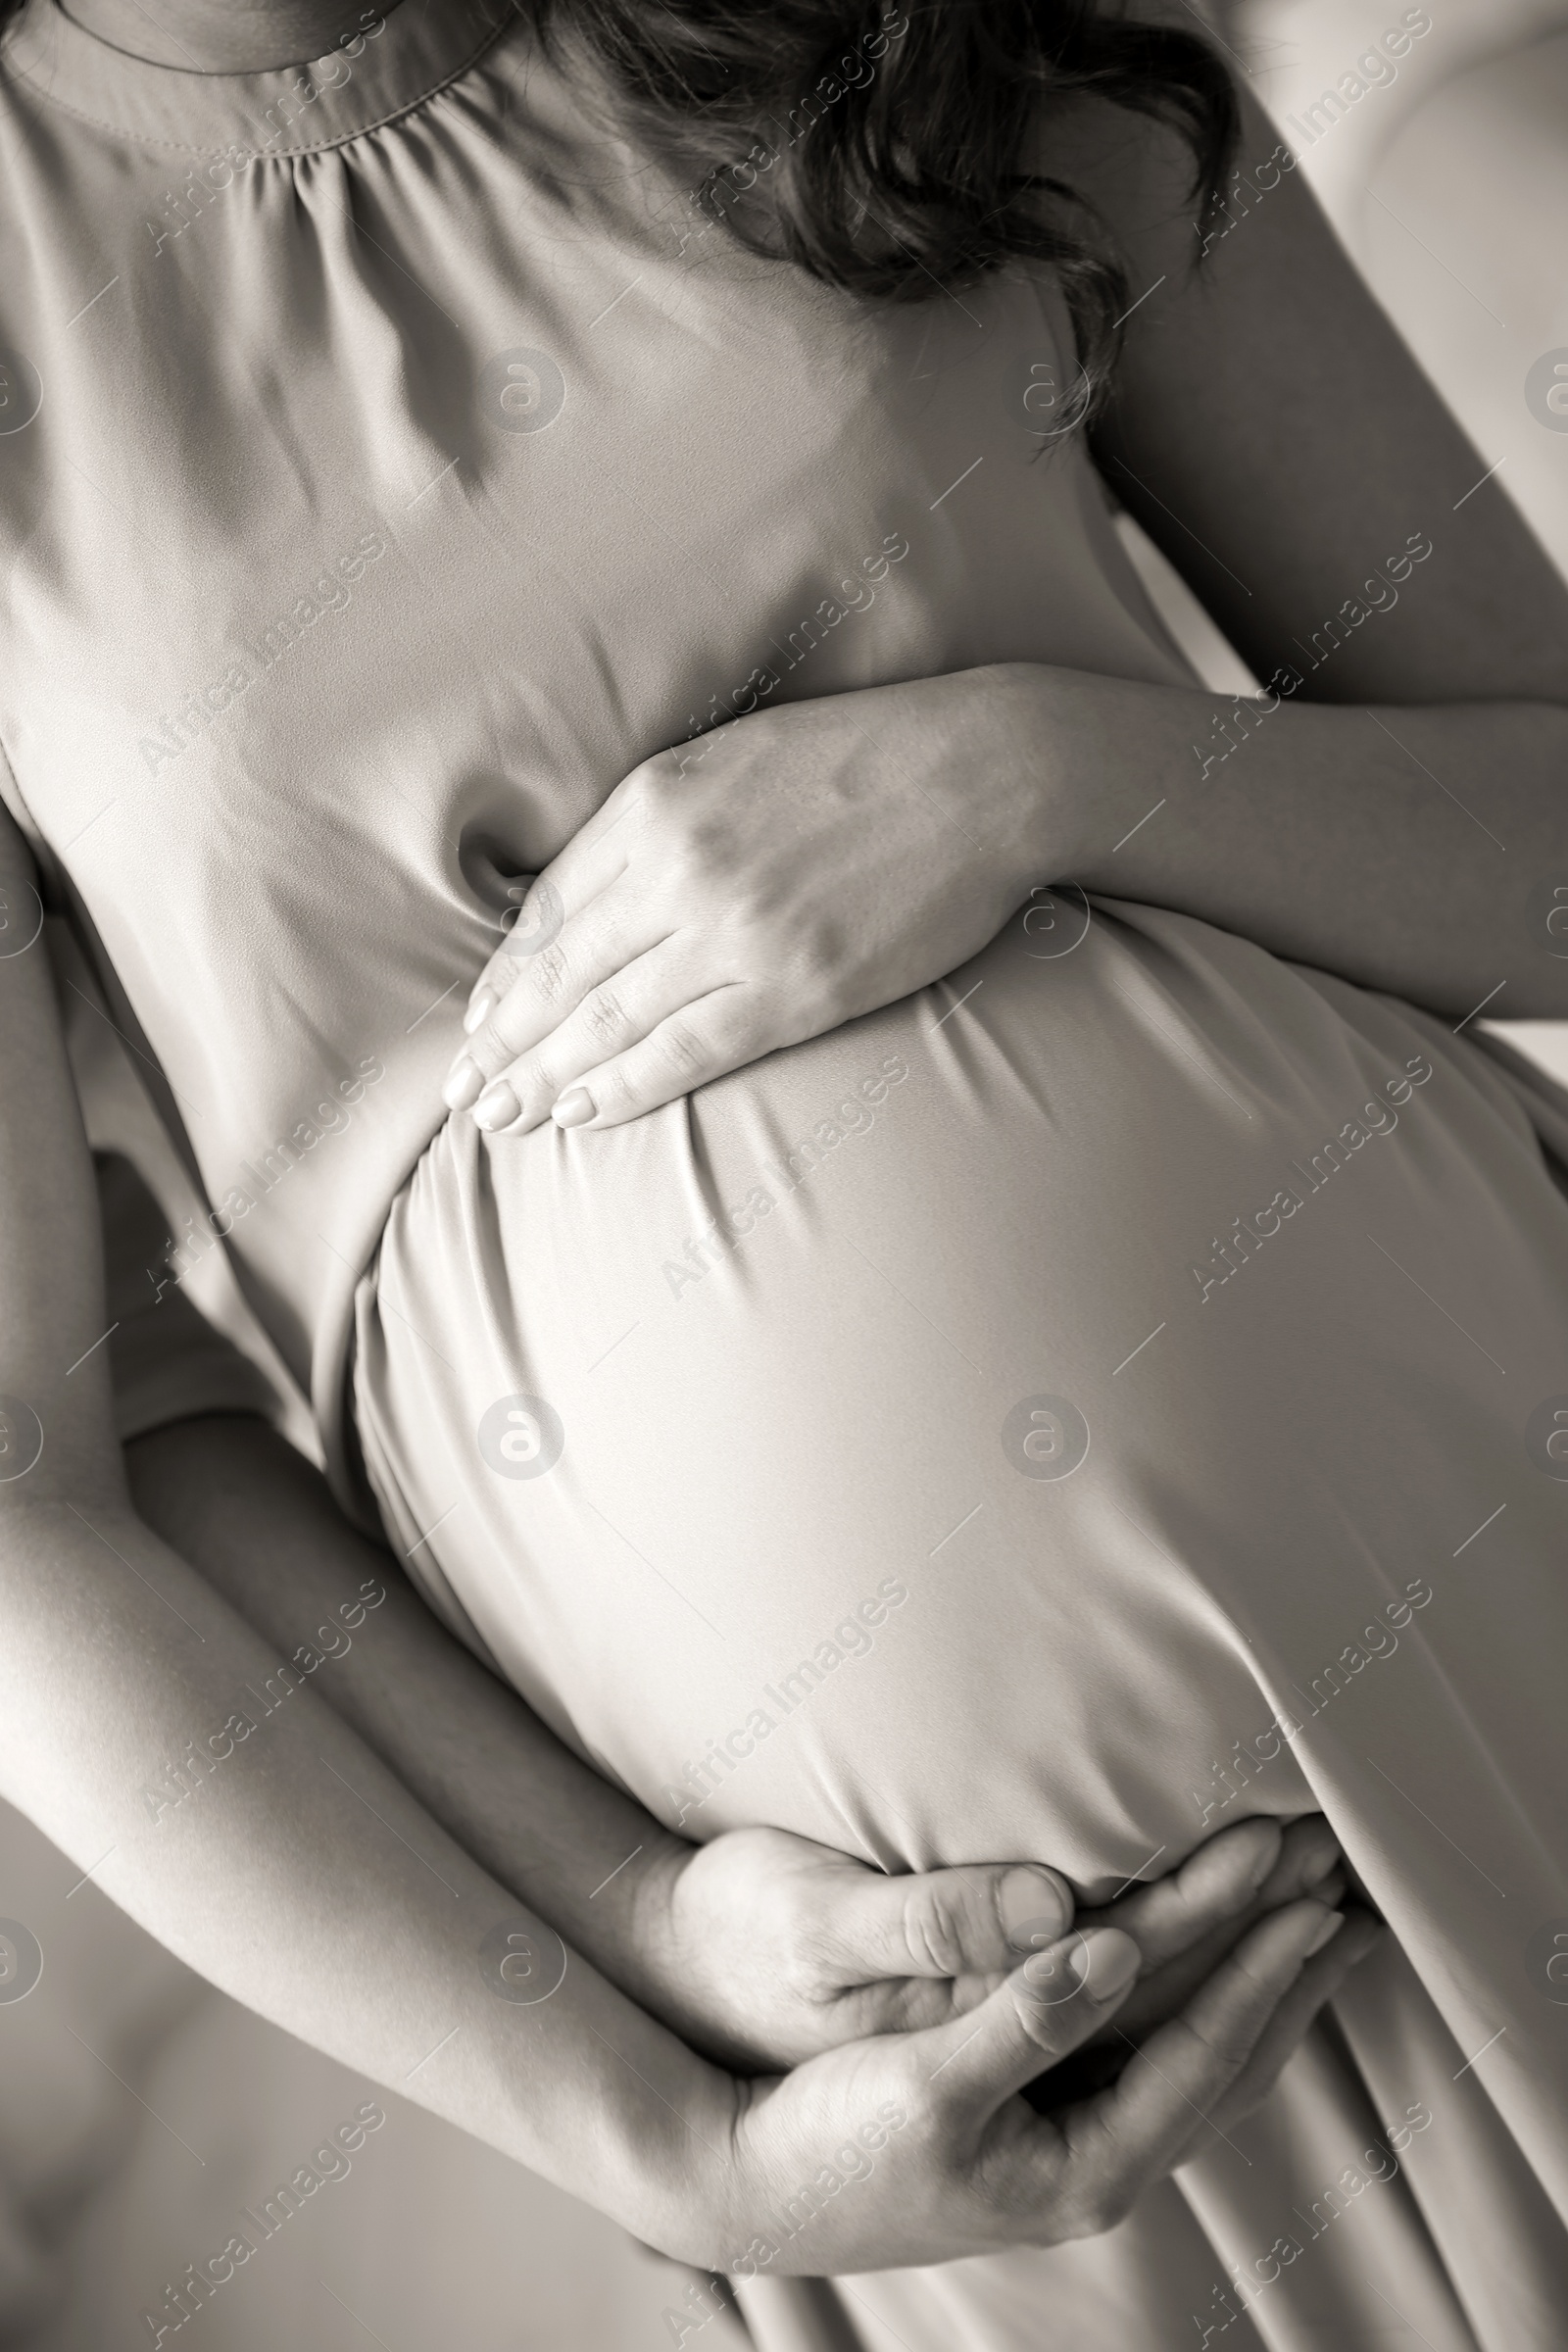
1017 731
681 2179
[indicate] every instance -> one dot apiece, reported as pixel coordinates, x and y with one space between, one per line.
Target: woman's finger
542 905
587 864
704 1040
1217 1882
1173 2084
1257 1865
601 847
521 1003
1188 1924
1309 1863
608 1022
539 908
1319 1981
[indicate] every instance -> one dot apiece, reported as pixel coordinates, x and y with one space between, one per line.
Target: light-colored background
139 2110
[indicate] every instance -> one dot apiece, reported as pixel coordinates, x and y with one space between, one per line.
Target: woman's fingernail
496 1106
1035 1908
575 1105
479 1012
1105 1963
465 1085
1326 1934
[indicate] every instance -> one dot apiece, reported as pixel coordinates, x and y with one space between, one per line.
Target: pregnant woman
1100 1381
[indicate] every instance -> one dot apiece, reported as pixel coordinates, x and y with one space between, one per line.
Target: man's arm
819 1951
302 1878
760 1948
1400 817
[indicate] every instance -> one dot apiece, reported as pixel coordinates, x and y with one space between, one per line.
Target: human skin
1385 818
307 1882
226 36
760 1949
231 46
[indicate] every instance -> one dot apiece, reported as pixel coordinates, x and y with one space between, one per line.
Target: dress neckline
394 63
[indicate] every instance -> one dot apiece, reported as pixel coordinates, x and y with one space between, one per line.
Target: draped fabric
1134 1403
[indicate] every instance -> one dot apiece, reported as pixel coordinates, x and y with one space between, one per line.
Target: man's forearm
301 1877
232 1498
1412 848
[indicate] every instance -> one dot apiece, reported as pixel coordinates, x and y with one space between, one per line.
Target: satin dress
1120 1388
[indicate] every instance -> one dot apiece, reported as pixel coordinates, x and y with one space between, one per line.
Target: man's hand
764 1949
914 2148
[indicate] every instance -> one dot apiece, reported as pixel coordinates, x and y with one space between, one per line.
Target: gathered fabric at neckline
382 69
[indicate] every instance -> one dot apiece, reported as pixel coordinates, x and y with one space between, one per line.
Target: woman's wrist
626 1924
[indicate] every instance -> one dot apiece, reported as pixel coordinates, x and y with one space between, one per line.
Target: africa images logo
521 1436
1546 391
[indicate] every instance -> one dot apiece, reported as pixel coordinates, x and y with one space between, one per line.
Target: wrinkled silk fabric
1109 1393
1084 1403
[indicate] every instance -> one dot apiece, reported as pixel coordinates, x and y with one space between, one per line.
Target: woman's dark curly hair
880 144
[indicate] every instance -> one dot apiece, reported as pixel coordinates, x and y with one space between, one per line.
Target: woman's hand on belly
747 890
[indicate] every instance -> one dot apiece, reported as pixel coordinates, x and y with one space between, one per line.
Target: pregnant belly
1036 1419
